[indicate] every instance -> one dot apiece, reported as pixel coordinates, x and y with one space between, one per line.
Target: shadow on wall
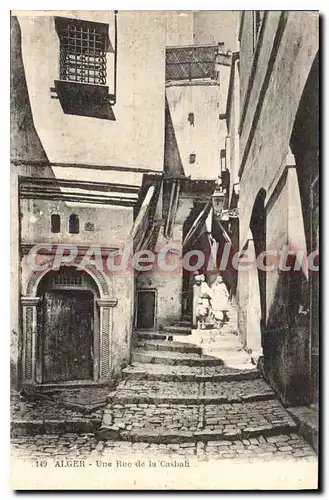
286 341
24 141
258 229
172 160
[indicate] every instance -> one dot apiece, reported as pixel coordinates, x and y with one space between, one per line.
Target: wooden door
67 335
145 309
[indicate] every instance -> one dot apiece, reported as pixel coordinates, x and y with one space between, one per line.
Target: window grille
74 224
189 63
55 223
68 279
82 52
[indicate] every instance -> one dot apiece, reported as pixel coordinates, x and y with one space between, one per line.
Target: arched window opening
55 223
74 224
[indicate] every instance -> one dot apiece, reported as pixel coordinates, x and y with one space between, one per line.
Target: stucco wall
270 143
136 137
168 283
25 145
179 27
202 27
207 136
216 26
287 52
112 224
169 294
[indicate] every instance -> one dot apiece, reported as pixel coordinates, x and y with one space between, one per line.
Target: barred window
82 50
190 63
68 278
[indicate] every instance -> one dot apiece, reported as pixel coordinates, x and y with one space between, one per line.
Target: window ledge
85 99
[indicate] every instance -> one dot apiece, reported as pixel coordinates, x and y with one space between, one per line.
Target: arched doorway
79 298
67 327
258 231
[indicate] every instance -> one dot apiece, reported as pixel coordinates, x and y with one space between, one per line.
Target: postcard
164 250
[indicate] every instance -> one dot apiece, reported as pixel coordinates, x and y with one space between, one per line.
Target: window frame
83 48
55 223
74 224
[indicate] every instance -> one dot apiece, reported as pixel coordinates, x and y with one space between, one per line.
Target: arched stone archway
35 277
30 302
258 230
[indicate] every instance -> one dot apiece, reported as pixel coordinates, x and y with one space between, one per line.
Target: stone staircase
192 386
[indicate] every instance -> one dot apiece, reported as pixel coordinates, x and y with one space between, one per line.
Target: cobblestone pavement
205 412
226 419
86 446
132 389
67 445
236 390
48 416
152 371
246 416
45 410
163 417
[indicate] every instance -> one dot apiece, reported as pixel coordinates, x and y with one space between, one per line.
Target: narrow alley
191 393
165 246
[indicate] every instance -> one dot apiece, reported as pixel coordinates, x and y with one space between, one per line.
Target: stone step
153 336
184 324
158 392
158 335
175 358
217 338
165 437
229 358
49 416
168 346
188 373
218 346
179 330
166 423
221 346
22 427
218 332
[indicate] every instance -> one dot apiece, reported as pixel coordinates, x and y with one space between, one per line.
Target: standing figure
220 298
203 307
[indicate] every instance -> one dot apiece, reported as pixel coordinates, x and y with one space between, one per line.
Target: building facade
276 80
81 186
107 151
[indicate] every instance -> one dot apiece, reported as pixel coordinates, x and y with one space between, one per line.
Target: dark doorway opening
258 230
145 313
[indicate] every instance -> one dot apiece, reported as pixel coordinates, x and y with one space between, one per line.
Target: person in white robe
220 299
204 303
